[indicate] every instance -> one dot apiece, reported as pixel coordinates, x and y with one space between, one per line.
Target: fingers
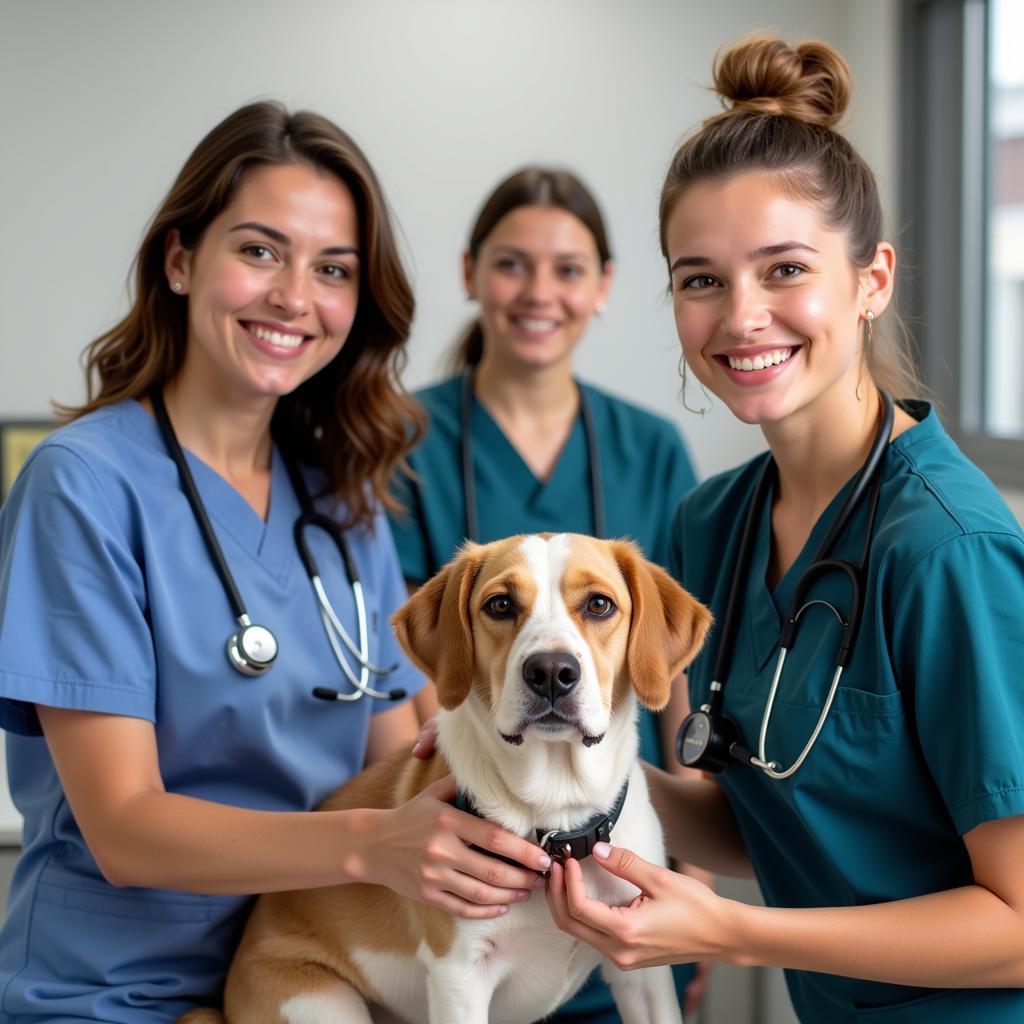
465 909
480 879
443 790
626 864
494 839
426 742
558 903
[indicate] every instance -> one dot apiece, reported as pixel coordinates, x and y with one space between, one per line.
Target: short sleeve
393 594
73 625
407 529
958 638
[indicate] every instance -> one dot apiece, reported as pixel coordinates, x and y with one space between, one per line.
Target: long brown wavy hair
530 186
784 103
353 419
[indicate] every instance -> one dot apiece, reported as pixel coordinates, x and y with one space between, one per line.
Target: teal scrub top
925 739
645 471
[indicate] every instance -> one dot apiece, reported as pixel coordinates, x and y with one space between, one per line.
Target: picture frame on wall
17 439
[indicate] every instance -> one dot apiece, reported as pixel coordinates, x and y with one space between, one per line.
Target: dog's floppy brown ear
434 628
667 629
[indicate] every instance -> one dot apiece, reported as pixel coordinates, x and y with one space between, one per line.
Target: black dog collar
577 843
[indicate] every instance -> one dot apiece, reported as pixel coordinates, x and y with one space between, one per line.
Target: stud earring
600 309
176 286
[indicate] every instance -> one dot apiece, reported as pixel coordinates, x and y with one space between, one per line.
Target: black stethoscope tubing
714 736
255 660
469 472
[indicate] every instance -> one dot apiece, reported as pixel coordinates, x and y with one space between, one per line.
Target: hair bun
809 81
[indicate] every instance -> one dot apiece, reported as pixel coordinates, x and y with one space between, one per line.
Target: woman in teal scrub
515 443
880 807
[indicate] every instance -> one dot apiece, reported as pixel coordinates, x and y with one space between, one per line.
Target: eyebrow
757 254
526 255
283 239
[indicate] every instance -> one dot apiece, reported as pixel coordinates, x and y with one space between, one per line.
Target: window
963 207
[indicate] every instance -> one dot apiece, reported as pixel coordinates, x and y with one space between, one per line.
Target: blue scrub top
645 472
925 739
109 602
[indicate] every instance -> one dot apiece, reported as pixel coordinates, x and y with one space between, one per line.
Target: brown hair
531 186
353 419
785 103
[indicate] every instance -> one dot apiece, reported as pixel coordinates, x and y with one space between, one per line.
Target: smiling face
538 279
273 285
767 303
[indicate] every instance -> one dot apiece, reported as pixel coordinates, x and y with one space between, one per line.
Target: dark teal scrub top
645 473
925 739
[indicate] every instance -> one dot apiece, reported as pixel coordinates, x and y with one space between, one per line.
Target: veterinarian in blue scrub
515 444
160 635
884 823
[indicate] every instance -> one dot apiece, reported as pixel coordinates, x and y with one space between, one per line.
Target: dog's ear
434 627
666 631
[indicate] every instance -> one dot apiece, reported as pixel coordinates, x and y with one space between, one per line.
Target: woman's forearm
699 825
961 938
168 841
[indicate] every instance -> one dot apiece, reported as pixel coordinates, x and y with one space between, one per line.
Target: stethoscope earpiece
252 649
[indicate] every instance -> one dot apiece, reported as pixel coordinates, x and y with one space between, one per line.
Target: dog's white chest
521 966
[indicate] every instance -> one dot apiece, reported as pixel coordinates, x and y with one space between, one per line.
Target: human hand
674 918
426 742
422 850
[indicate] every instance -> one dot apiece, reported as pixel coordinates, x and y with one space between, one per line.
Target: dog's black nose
551 674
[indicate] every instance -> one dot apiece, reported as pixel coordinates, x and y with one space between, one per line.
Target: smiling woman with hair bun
878 797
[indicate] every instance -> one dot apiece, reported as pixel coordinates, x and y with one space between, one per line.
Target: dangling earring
600 309
869 338
682 392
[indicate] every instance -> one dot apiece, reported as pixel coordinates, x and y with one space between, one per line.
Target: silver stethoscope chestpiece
252 649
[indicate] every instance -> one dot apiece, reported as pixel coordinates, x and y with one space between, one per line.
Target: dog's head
552 631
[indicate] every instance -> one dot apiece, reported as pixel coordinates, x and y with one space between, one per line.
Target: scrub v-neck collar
240 529
544 497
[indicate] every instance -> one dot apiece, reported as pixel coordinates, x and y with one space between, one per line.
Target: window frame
943 167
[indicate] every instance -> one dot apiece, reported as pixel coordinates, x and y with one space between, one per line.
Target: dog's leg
456 996
288 992
647 996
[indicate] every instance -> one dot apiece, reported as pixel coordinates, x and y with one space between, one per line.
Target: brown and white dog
540 647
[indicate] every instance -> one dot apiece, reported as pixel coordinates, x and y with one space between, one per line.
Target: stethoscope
253 648
708 739
469 475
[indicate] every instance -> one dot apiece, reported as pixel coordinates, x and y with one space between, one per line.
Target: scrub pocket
112 955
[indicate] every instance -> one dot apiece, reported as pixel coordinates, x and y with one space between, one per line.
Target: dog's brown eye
599 606
500 607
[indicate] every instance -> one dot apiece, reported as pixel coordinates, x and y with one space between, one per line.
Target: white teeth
533 324
276 338
760 362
